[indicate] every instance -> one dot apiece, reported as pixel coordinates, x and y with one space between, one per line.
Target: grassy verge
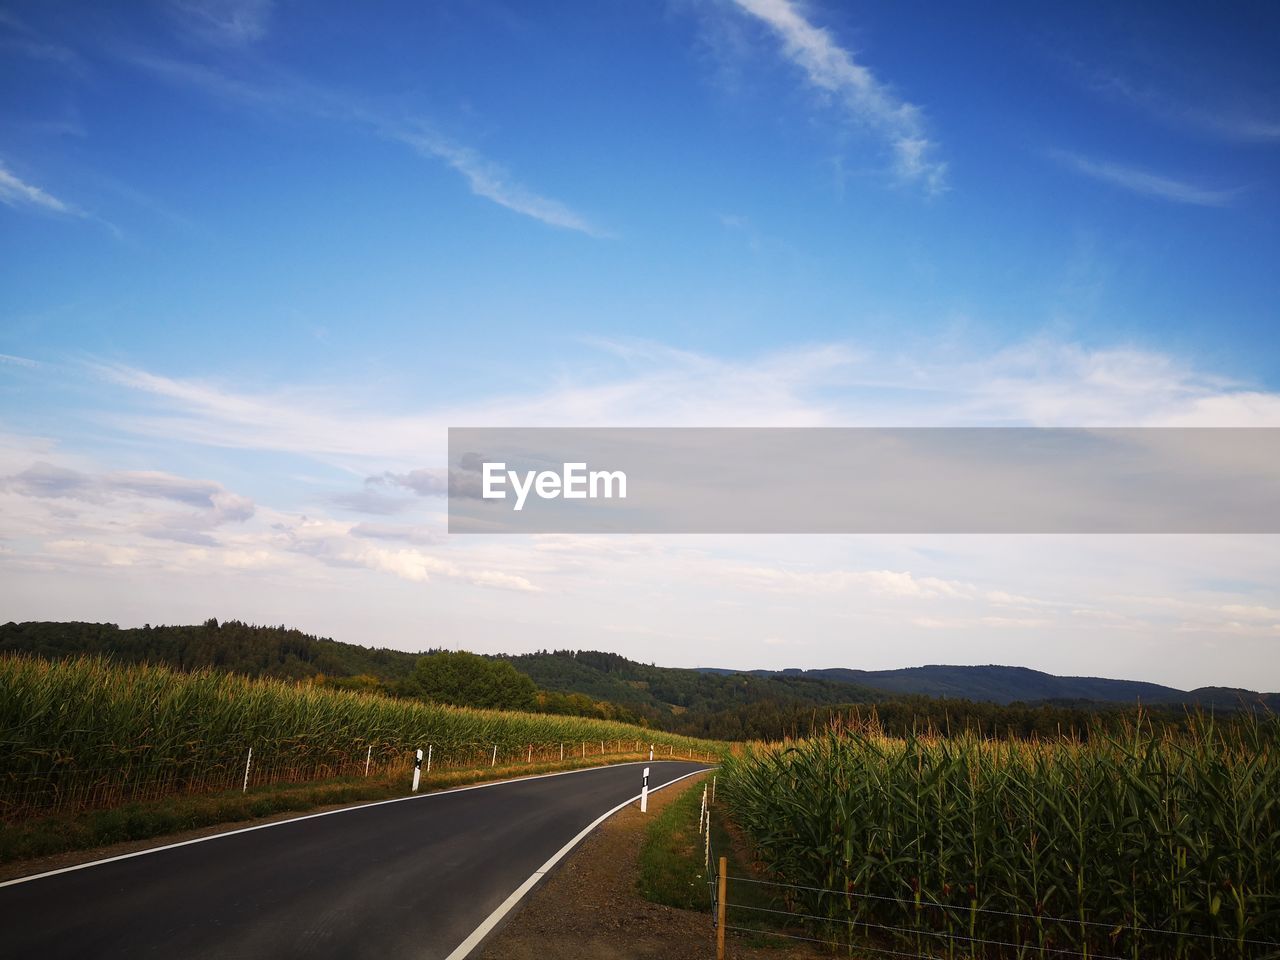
671 870
86 830
671 858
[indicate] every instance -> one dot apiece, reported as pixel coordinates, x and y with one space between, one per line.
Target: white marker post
651 753
644 792
429 748
530 760
417 769
247 762
494 761
562 753
602 748
368 755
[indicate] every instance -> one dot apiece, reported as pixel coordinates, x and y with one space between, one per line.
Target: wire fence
762 907
70 787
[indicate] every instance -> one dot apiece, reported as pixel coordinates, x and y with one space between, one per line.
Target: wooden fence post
720 909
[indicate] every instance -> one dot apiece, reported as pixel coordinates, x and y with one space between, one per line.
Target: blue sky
257 256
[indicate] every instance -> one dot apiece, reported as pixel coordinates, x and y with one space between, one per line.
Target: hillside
1005 685
709 702
256 651
659 691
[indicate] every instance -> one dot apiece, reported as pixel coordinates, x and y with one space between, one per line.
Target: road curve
412 878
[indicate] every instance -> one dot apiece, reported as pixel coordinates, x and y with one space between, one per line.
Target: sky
257 257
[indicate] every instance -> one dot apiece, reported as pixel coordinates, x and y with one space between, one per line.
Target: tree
467 680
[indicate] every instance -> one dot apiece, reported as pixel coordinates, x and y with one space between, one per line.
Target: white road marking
309 816
477 935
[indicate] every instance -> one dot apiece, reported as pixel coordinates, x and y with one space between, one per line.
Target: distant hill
672 691
1004 685
258 651
710 702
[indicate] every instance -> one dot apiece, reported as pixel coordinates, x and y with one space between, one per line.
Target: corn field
76 734
1131 846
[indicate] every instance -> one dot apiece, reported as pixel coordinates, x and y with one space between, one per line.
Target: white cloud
832 69
1038 383
16 193
489 180
856 601
1147 183
234 23
280 92
1226 120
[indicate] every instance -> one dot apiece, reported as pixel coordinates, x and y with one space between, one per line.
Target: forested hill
659 695
657 690
720 704
1005 685
257 651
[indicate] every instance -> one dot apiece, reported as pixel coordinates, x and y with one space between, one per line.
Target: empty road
403 879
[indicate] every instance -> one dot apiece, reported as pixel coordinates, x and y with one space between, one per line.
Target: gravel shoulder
588 908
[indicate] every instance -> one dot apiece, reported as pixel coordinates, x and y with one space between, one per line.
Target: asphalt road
410 879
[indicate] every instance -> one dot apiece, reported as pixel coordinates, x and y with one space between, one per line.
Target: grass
671 865
671 869
87 829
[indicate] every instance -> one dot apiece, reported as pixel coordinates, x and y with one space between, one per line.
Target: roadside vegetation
87 733
712 705
1146 843
672 869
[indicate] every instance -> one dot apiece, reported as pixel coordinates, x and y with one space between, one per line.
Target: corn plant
1137 845
86 732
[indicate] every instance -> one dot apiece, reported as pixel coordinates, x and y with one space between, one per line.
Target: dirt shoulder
588 908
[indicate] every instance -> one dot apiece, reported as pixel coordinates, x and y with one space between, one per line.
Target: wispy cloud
284 93
1234 122
833 69
1145 182
1036 383
489 180
224 22
15 192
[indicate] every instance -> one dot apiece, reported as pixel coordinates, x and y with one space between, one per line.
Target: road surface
405 879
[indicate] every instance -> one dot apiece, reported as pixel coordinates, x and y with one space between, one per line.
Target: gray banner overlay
864 480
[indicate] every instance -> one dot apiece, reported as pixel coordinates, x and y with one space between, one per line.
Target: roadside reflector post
248 761
530 760
602 748
651 753
584 749
417 769
494 762
720 910
368 755
429 747
644 792
562 753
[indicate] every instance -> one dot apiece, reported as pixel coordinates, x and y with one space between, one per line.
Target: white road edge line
462 950
311 816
